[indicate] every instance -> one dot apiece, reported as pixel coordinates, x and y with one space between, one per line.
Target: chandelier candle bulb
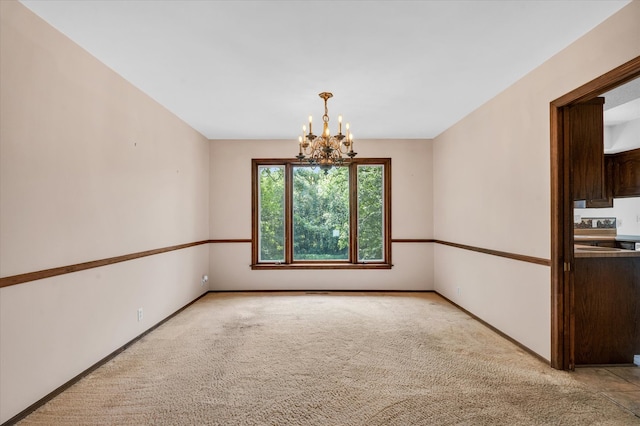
310 120
340 124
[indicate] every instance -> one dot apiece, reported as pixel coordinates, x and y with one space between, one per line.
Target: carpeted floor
326 359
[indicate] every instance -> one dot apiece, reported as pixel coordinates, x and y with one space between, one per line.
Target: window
306 218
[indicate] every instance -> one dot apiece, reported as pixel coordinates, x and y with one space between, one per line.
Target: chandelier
326 151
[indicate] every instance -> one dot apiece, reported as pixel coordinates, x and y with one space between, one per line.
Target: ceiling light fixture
326 151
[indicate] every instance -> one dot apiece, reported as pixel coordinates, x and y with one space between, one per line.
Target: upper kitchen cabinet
607 199
626 174
585 126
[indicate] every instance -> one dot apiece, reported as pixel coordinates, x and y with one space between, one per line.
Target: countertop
594 251
627 238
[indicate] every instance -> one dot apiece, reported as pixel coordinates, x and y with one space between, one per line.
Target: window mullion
353 213
288 203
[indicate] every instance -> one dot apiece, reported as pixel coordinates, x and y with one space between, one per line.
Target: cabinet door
585 127
626 174
607 310
607 201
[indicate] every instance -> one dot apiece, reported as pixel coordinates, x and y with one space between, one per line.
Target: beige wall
90 168
230 218
492 186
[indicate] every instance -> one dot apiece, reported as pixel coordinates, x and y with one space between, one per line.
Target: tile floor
620 384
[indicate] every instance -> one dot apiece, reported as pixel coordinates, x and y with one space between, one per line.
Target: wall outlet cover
636 360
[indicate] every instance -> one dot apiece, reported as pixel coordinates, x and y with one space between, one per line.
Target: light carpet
326 359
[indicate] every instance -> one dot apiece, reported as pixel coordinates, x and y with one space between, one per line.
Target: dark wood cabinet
626 174
607 200
607 310
584 127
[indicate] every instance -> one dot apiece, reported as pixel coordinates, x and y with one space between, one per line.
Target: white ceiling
253 69
622 104
622 113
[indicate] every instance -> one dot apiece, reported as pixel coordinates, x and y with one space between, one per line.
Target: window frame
352 262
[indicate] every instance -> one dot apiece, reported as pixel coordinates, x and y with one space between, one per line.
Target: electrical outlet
205 278
140 314
458 291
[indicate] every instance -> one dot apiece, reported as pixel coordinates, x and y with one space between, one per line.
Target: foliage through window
320 213
304 217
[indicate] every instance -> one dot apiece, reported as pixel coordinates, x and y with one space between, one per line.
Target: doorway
562 251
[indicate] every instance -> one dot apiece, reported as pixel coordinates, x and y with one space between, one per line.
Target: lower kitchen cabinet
607 310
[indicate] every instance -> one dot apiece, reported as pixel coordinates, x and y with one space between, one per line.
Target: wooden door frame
562 261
